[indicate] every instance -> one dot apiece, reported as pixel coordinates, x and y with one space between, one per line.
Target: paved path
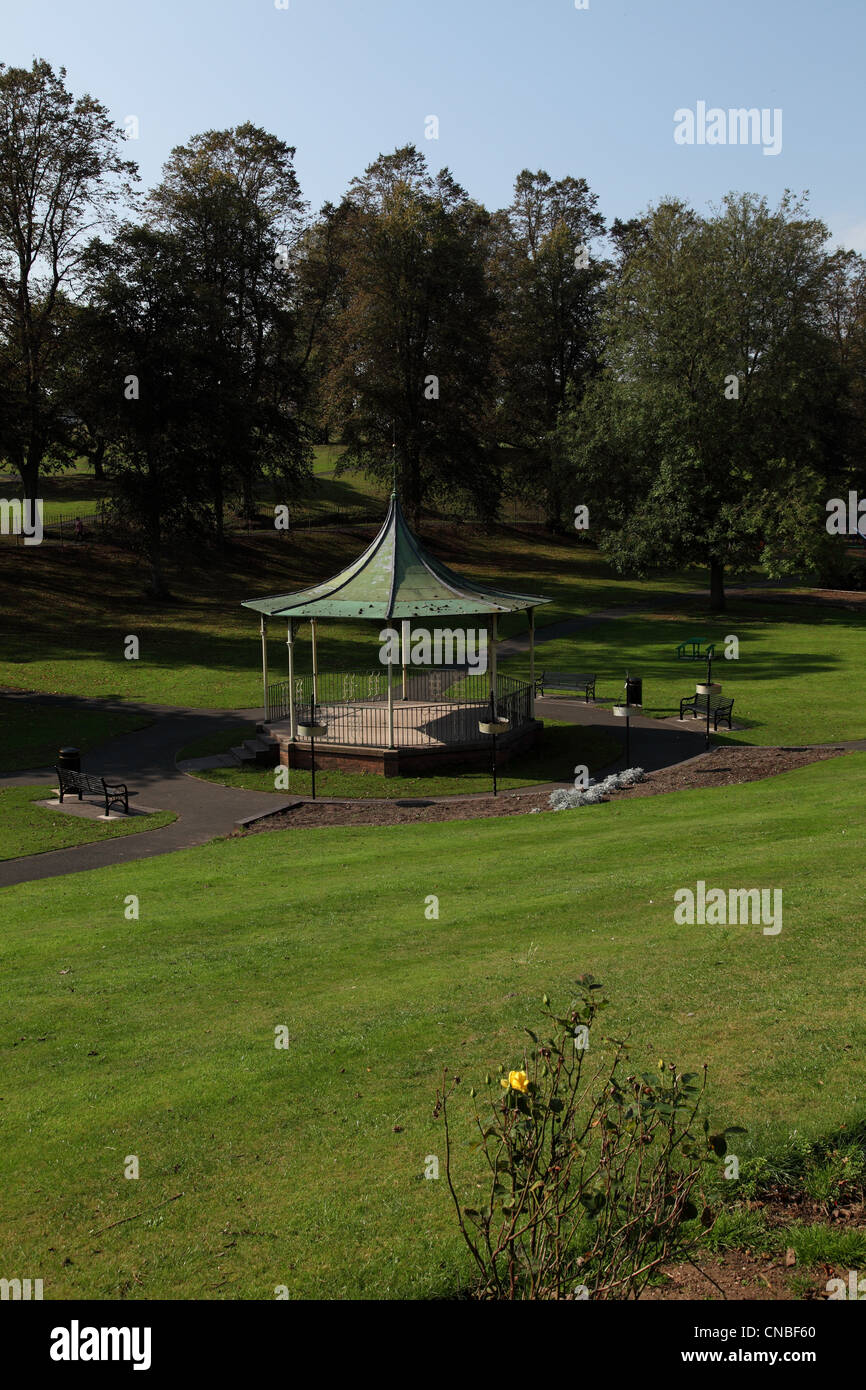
145 759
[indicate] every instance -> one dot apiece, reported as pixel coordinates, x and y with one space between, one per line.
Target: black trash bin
634 690
70 758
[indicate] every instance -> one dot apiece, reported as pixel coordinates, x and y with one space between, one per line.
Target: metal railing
60 525
354 706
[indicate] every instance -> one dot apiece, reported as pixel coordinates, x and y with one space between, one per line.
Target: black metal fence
61 525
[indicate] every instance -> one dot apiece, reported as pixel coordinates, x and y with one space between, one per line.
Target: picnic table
695 654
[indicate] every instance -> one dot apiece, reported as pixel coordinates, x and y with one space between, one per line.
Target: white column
315 662
492 661
264 632
390 706
290 647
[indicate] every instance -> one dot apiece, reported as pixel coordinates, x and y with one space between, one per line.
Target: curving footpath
145 758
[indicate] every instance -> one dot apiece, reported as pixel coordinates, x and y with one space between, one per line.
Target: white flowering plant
567 798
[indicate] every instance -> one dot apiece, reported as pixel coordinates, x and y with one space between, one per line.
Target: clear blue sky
514 83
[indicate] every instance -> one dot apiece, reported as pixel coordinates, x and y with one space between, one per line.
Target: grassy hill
65 614
305 1166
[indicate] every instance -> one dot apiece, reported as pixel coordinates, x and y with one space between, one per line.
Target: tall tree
844 323
146 358
320 297
232 198
705 440
61 175
549 278
410 348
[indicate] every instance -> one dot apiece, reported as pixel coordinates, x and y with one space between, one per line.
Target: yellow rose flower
519 1081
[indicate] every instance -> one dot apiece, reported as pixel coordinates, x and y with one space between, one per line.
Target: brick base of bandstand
403 762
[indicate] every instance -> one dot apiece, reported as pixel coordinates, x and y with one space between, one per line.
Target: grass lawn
795 679
31 734
305 1166
26 828
562 748
65 615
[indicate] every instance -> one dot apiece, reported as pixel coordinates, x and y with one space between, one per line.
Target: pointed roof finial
393 458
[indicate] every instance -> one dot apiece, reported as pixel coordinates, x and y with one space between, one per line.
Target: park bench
695 654
720 708
113 793
562 680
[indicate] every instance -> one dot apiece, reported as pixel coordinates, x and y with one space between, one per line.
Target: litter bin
70 758
634 690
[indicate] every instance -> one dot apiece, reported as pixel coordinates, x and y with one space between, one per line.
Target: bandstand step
259 750
242 756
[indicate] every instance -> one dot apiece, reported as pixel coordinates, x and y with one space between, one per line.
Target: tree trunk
413 470
553 507
96 459
717 585
29 478
249 501
158 588
31 466
218 503
157 581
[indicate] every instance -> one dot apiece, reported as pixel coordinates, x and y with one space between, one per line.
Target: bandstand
402 718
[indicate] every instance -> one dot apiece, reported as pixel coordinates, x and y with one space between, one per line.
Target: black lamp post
493 725
625 712
311 730
708 688
628 709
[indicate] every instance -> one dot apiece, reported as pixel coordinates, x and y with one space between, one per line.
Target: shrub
586 1174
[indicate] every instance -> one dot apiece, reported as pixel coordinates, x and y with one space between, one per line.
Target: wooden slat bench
563 680
696 705
113 793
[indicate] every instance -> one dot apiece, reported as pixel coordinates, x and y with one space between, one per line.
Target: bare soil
737 1275
721 767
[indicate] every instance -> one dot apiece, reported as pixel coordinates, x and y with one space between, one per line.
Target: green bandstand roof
394 578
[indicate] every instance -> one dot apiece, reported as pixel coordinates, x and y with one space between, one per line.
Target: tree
844 324
232 198
320 297
145 354
61 174
706 438
548 282
410 346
